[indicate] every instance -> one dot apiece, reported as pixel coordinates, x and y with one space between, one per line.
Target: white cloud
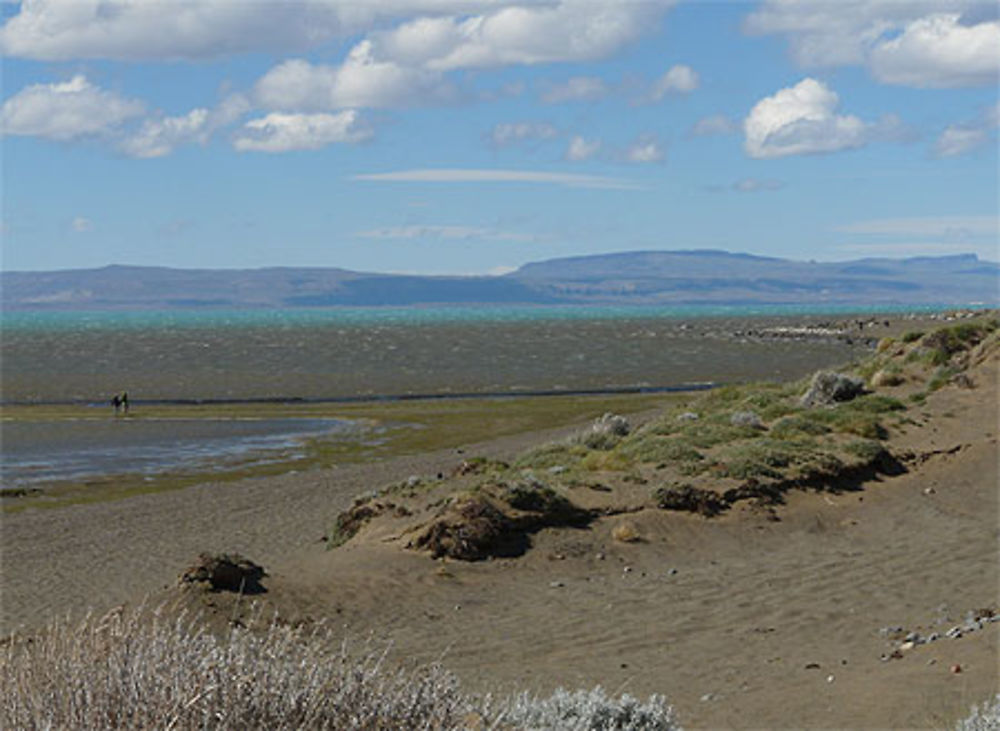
645 149
521 34
576 89
82 225
958 139
362 81
462 233
718 124
66 111
921 43
802 119
279 132
580 148
467 175
938 51
677 80
964 137
507 133
159 30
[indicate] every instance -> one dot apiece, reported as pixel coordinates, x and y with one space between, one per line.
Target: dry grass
141 669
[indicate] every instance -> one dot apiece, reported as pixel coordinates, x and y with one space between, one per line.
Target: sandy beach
741 621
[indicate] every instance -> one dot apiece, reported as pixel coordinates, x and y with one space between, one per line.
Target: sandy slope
733 638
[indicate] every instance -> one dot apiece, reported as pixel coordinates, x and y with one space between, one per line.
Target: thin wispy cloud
927 226
473 175
459 233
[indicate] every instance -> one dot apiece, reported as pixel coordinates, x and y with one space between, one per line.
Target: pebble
829 678
556 584
956 668
954 633
911 637
600 557
933 637
672 572
627 570
708 697
907 645
929 491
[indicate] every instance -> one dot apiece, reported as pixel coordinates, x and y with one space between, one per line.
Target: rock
747 419
929 491
962 380
828 388
226 572
956 669
672 572
556 585
688 416
907 646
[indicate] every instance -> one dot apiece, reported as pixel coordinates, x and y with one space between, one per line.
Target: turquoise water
418 316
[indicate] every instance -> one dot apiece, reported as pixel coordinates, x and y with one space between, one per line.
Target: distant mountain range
642 277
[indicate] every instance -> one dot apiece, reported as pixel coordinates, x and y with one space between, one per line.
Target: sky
474 136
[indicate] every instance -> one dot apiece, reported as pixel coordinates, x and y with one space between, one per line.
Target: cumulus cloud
66 111
963 137
156 30
938 51
361 81
576 89
717 124
920 43
521 34
279 132
677 80
647 148
473 175
803 119
434 34
580 148
508 133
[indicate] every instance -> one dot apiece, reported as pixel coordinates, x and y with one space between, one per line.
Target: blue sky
473 136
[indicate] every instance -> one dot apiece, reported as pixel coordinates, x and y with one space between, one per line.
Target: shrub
653 448
792 426
982 718
589 710
911 336
551 455
137 669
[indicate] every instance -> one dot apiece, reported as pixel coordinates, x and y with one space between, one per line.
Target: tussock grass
982 718
142 669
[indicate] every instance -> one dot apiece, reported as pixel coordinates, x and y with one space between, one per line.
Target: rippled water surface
86 357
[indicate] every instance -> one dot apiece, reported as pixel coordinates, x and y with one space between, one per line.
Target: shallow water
79 449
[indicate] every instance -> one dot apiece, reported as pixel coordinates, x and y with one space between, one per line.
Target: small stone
907 646
956 669
932 661
557 469
829 678
627 570
933 637
688 416
929 491
708 697
672 572
911 637
599 557
556 585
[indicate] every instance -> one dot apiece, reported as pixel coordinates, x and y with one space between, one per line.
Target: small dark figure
124 402
116 402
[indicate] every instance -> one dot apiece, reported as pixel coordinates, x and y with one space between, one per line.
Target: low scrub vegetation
139 669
